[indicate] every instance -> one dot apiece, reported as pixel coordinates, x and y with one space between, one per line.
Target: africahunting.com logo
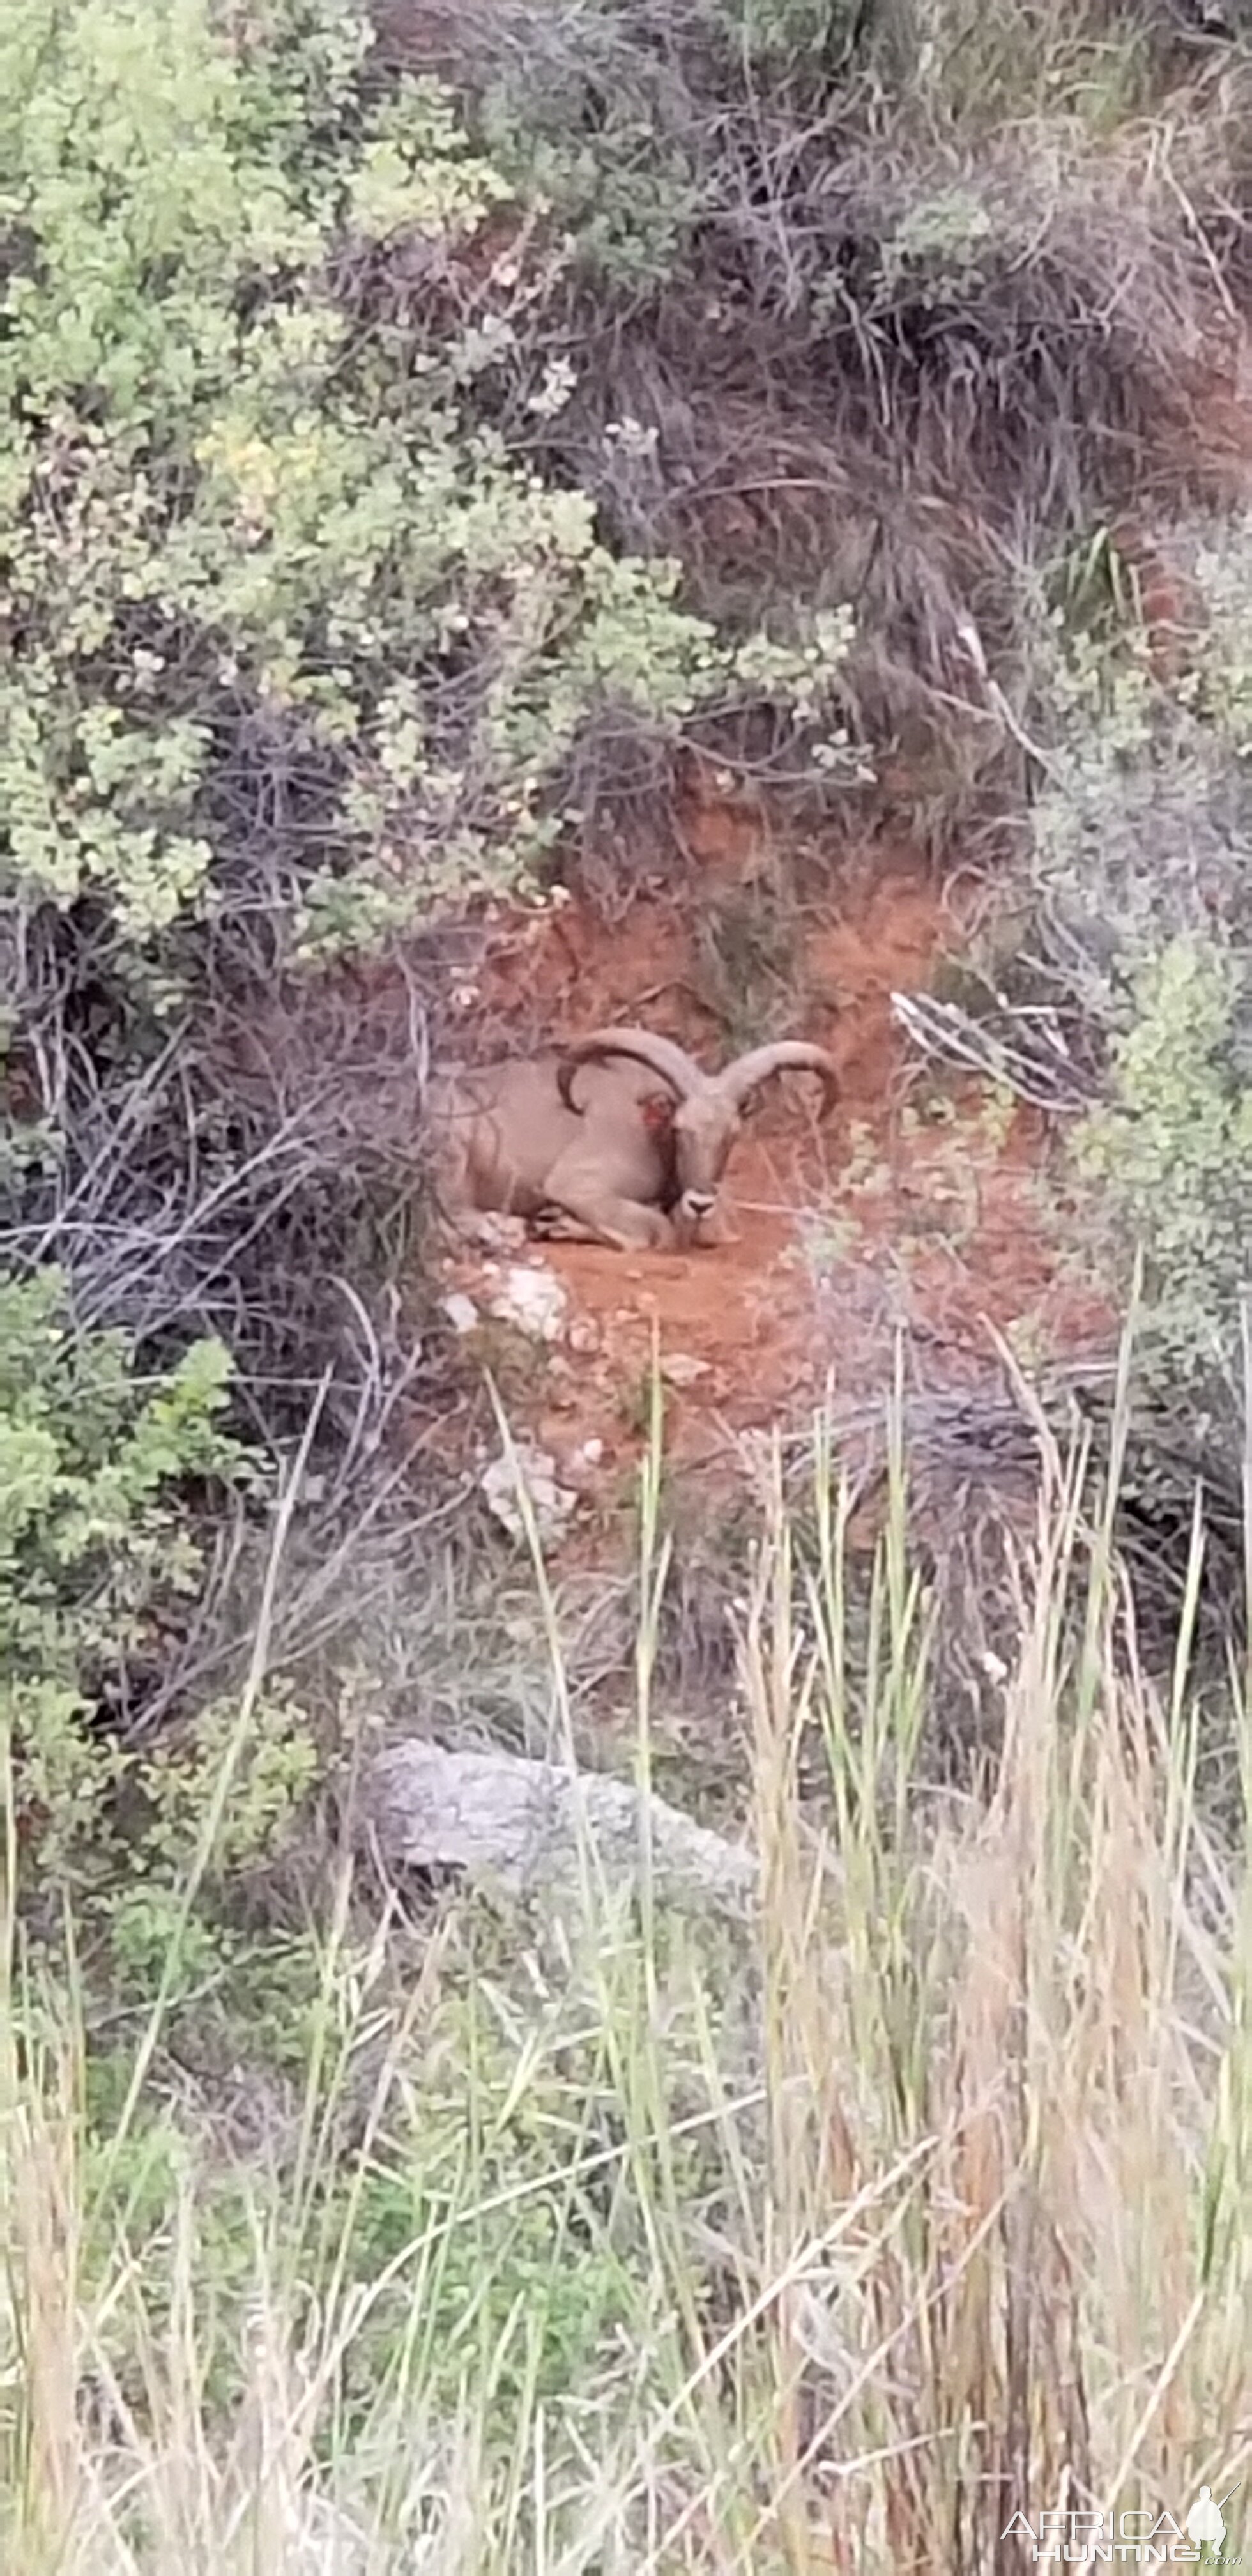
1144 2539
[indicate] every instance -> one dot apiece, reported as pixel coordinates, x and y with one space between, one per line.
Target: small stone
461 1311
504 1234
592 1452
532 1300
551 1503
680 1369
583 1334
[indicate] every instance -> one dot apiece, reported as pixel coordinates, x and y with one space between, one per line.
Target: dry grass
835 2245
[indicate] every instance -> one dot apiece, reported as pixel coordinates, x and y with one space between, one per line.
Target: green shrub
1172 1152
95 1552
1140 848
260 561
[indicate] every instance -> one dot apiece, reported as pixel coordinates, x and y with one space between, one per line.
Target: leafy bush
1172 1151
1140 848
95 1553
263 573
1142 818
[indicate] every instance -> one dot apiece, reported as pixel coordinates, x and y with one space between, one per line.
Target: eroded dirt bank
917 1204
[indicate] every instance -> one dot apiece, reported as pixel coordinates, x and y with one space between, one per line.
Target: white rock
461 1311
583 1334
551 1503
681 1369
534 1301
508 1234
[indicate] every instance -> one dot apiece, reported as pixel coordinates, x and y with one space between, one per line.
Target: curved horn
788 1055
665 1057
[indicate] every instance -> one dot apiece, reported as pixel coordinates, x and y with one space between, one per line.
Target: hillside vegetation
431 442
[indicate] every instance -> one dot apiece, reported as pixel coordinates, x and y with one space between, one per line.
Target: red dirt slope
885 1216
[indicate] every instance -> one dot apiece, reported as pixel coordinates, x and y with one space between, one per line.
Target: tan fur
505 1142
582 1147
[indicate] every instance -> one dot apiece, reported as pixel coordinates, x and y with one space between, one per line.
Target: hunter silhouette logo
1204 2522
1206 2525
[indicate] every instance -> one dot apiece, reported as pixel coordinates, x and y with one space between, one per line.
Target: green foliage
231 1998
251 536
480 2209
269 1782
1142 817
474 2219
776 33
1141 835
627 197
1172 1151
151 2172
974 70
94 1550
938 245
